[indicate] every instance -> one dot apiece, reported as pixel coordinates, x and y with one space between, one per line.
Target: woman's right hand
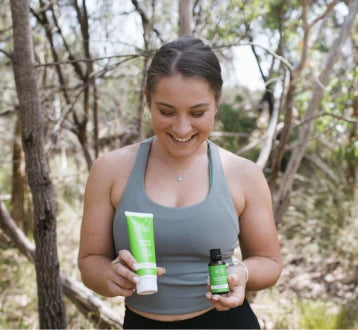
121 276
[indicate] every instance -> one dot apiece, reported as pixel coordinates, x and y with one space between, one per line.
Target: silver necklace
179 176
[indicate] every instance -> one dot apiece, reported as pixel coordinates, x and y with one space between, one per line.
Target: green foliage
236 117
236 120
325 315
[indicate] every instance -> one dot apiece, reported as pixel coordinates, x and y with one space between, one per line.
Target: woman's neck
159 151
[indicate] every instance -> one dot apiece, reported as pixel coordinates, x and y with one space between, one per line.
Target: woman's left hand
235 297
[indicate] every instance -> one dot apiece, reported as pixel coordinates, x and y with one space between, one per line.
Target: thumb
161 271
233 280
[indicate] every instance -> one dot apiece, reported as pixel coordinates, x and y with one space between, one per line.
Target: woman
202 197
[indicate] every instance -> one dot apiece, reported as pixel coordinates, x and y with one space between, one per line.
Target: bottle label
218 279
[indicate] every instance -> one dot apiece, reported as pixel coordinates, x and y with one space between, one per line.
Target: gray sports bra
183 237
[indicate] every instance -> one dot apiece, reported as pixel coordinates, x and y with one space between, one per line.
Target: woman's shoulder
118 160
240 168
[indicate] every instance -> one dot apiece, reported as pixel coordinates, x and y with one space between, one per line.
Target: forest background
290 104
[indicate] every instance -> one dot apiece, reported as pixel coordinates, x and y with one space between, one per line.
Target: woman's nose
182 126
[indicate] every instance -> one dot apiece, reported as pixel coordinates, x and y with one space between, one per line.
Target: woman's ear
217 107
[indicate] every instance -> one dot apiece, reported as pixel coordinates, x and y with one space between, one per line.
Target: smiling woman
201 197
183 111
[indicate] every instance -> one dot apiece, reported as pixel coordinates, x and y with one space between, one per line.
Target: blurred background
290 104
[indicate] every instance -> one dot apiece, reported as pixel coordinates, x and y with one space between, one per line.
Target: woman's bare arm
258 236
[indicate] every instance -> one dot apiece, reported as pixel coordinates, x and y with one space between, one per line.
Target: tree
305 132
185 17
50 296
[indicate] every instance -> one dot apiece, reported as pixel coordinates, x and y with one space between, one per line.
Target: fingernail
208 295
136 279
135 266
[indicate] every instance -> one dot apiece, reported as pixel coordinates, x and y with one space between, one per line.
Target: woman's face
183 111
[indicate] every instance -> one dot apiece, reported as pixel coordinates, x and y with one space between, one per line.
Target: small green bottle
217 273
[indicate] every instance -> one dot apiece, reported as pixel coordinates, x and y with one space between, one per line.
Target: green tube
141 241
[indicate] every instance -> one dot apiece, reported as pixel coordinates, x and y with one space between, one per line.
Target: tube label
141 241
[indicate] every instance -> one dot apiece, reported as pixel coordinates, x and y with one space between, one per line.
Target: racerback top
183 237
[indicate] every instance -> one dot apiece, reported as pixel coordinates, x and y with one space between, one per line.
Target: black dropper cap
215 254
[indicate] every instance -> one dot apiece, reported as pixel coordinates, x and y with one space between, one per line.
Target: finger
121 281
126 273
125 257
215 301
119 291
161 271
233 281
233 299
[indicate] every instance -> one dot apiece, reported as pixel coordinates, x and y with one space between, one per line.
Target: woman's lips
182 140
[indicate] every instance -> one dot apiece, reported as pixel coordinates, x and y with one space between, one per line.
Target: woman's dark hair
188 56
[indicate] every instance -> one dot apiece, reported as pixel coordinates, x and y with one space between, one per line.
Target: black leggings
241 317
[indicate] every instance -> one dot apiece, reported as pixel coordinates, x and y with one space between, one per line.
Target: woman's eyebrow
199 105
192 107
165 104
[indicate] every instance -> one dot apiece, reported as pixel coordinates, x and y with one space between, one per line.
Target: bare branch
17 236
229 134
87 303
252 144
266 150
145 19
279 57
89 60
324 15
324 113
318 162
7 54
7 112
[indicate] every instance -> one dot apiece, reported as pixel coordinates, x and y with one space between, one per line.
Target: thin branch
229 134
76 66
89 60
266 150
7 112
326 12
279 57
252 144
318 162
146 20
7 54
324 113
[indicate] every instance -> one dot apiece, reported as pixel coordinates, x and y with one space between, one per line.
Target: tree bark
304 134
147 24
18 178
84 299
185 17
50 297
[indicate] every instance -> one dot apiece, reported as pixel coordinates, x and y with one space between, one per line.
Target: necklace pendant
179 178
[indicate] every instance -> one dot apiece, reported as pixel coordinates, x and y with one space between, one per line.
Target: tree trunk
304 135
50 297
18 178
185 17
21 206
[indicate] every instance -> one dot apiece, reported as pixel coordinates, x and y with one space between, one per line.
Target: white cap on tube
147 285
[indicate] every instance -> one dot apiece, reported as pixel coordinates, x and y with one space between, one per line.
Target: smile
181 140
